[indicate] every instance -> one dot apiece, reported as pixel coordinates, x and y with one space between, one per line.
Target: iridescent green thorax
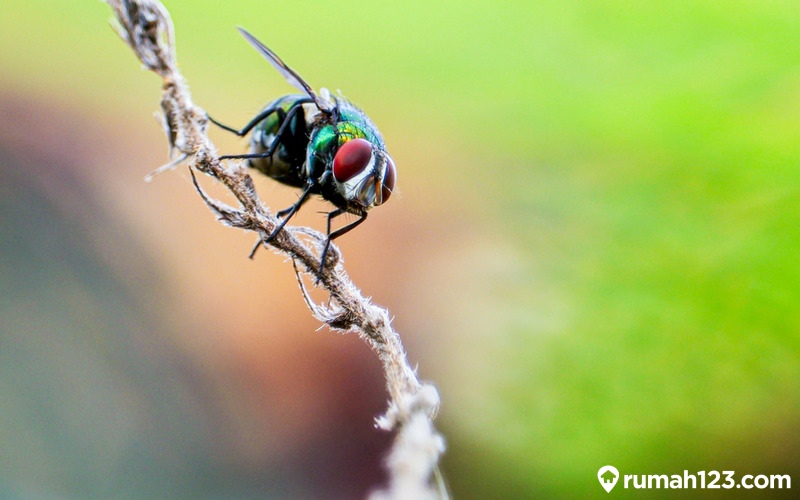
351 123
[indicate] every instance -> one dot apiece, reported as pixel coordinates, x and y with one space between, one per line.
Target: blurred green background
593 252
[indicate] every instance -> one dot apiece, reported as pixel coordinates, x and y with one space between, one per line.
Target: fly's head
364 173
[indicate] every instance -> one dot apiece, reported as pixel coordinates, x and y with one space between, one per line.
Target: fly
322 144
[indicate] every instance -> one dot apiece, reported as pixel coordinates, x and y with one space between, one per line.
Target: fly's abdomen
286 141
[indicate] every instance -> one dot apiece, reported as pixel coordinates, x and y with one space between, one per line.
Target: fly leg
333 235
286 214
286 119
258 118
250 125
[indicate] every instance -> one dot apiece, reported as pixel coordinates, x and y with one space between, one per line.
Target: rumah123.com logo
608 477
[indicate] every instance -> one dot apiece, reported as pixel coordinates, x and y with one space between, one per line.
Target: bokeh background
593 251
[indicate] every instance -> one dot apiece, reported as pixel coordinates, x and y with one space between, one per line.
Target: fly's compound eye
352 158
389 177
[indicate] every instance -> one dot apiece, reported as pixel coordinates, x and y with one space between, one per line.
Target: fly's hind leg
257 119
284 118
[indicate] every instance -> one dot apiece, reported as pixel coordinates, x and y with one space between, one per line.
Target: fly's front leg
339 232
289 212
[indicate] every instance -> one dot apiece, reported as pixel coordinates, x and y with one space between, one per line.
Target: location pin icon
608 476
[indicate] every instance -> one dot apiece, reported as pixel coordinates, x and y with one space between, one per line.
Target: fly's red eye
351 158
388 179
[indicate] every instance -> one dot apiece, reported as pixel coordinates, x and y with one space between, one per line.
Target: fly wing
291 76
